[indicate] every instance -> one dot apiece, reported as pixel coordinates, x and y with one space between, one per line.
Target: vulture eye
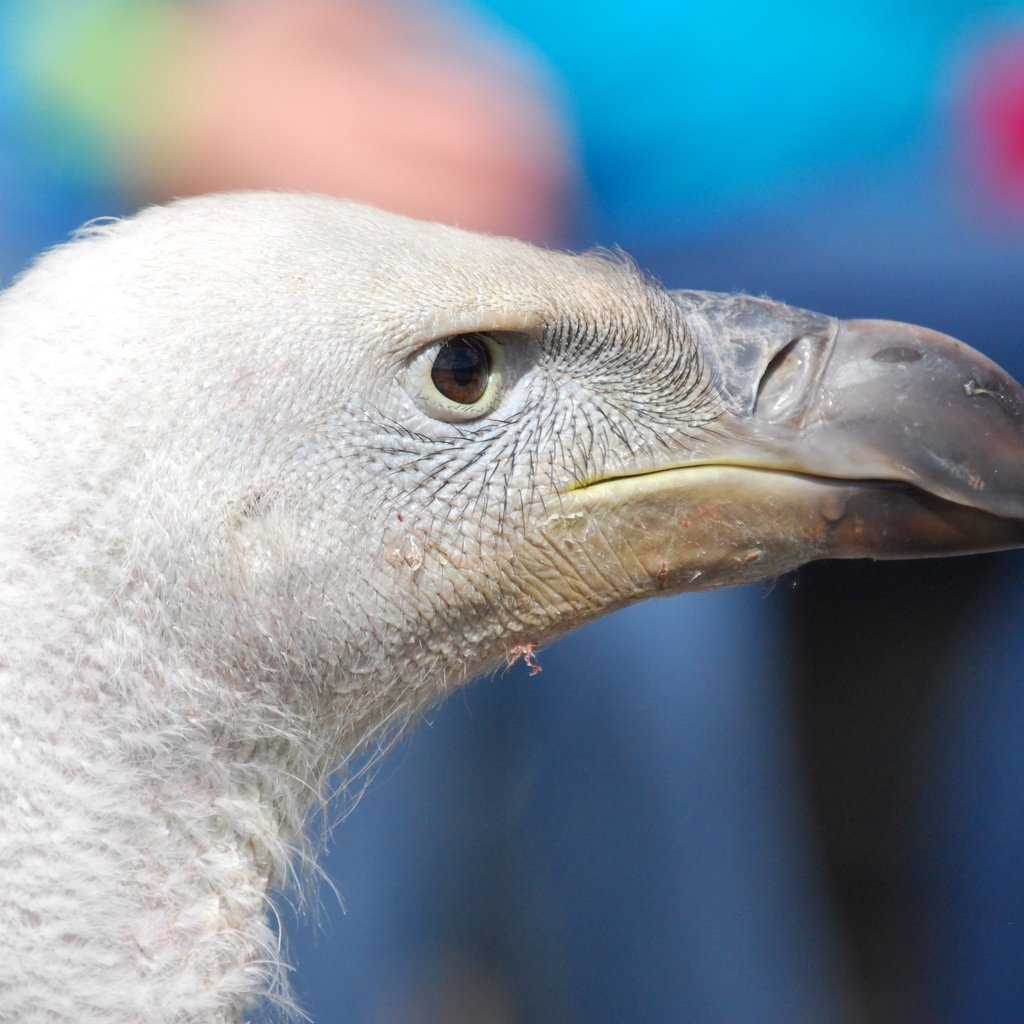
464 376
462 369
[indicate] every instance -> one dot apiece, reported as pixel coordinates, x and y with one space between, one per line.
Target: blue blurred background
799 802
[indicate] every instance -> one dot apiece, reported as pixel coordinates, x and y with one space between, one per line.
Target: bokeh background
797 802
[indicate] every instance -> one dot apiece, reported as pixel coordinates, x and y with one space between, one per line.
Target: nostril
792 371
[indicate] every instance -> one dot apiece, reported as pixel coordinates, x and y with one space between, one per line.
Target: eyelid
501 325
425 394
511 353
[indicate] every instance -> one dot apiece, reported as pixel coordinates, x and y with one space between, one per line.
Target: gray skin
246 525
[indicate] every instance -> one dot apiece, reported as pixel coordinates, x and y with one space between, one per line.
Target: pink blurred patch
993 121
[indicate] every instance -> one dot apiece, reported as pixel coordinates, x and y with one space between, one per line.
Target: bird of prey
279 472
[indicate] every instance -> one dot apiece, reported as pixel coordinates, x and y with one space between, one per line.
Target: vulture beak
837 439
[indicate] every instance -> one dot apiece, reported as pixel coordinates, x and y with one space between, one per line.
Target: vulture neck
143 859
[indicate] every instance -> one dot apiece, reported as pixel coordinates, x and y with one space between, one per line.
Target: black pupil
462 369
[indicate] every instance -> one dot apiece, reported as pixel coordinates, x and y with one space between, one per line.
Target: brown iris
462 369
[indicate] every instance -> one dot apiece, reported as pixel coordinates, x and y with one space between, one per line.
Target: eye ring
461 369
463 377
458 378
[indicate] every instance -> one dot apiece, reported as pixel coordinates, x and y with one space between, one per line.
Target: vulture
279 472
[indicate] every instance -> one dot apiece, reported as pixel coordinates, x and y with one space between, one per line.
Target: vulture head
280 471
